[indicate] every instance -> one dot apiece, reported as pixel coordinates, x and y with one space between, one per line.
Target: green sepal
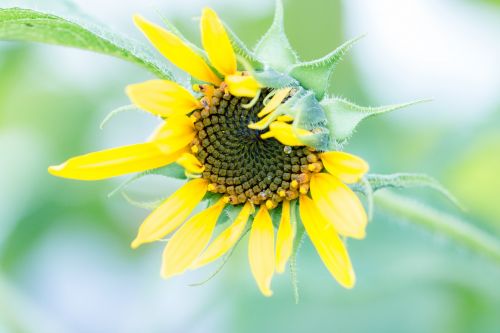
148 205
365 187
405 180
343 116
117 111
274 49
309 115
315 75
270 78
229 213
225 259
211 198
276 216
34 26
172 170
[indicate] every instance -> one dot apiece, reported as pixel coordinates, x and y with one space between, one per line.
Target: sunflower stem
455 228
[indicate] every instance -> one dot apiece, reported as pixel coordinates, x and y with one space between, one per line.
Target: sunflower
249 145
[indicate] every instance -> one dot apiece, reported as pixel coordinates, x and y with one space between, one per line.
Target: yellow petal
242 84
348 168
226 240
162 98
115 162
175 50
190 240
171 213
174 134
285 118
216 42
284 238
284 133
261 250
263 123
339 205
274 102
190 163
327 243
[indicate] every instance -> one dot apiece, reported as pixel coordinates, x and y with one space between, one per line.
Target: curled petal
348 168
284 238
171 213
175 50
217 44
261 250
339 205
242 85
190 240
327 243
226 240
274 102
285 134
162 98
285 118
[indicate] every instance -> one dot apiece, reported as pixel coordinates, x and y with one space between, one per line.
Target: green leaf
33 26
315 75
274 48
343 116
406 180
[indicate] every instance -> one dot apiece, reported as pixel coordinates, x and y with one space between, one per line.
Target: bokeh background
65 260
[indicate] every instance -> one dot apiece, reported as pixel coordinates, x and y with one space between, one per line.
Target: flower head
258 140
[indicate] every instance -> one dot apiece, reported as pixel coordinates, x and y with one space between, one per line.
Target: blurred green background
65 260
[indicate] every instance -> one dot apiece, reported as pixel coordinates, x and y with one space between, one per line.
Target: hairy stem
455 228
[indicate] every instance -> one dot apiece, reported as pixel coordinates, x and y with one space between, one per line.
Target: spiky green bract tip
274 48
343 116
315 75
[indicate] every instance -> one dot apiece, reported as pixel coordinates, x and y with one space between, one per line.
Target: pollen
238 162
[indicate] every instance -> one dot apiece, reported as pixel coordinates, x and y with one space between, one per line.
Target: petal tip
167 273
267 292
280 269
138 19
136 243
358 234
57 170
207 10
349 280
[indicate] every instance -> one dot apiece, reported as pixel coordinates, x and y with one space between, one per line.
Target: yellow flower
217 133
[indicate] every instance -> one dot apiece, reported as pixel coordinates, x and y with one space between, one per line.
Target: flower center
238 162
